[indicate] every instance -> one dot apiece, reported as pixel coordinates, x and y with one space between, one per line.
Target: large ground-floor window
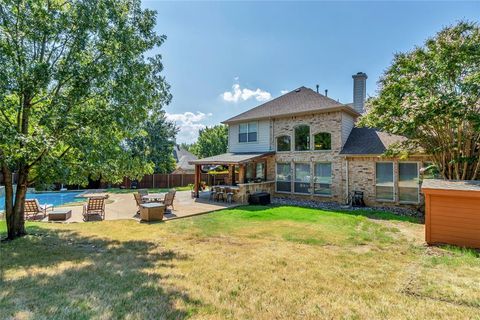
302 178
323 179
284 177
384 186
408 187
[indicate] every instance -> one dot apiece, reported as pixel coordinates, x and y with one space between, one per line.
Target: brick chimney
359 91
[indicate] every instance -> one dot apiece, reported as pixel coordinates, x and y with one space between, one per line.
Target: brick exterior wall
323 122
362 178
361 170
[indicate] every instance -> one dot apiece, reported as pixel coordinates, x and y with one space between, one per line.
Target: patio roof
232 158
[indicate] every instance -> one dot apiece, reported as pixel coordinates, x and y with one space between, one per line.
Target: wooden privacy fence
173 180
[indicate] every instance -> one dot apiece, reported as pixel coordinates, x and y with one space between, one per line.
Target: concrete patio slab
123 206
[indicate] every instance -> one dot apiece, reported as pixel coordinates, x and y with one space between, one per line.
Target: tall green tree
432 96
211 141
156 143
75 85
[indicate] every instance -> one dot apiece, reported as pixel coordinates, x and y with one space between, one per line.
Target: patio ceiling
232 158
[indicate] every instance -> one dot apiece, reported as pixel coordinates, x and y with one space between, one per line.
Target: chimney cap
360 75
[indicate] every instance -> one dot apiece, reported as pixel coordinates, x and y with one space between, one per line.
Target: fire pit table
59 215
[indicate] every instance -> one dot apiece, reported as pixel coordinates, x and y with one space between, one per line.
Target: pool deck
123 206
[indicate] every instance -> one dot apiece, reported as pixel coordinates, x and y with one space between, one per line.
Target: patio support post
241 174
197 180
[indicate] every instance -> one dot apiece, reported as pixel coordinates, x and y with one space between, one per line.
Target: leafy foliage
75 85
157 143
211 141
431 95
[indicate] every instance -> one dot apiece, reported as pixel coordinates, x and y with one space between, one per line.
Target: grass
242 263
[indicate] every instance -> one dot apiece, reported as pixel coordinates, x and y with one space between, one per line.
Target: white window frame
294 143
315 175
418 184
393 181
312 139
276 173
248 131
276 142
295 177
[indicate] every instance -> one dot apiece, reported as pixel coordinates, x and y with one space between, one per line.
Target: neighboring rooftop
369 141
182 157
299 101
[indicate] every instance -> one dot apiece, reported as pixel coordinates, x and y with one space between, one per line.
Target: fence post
168 181
181 183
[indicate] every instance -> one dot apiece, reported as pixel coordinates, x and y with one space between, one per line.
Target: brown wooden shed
452 212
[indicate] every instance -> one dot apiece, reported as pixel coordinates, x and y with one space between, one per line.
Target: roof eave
324 110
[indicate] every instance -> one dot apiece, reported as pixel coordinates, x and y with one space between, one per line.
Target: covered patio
247 173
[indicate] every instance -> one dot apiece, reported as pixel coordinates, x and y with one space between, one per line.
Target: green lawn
244 263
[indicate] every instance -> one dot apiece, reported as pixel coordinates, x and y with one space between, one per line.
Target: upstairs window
302 138
283 143
247 132
322 141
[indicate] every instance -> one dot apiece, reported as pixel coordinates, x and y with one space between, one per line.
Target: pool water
54 198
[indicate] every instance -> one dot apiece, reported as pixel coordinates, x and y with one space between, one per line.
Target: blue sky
222 58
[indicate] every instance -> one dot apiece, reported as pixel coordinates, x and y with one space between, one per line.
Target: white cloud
189 123
244 94
284 91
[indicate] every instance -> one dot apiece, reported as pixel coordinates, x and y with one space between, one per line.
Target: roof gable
298 101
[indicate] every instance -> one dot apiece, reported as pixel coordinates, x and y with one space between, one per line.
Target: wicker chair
33 208
95 206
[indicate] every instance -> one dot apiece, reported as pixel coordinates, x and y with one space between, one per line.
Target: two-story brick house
305 145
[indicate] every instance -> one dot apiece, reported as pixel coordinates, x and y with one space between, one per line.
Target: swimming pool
54 198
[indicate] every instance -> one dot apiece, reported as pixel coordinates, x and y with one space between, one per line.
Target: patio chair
139 200
169 197
95 206
221 194
33 208
213 193
230 194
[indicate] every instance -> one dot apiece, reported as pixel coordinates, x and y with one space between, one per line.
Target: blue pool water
55 198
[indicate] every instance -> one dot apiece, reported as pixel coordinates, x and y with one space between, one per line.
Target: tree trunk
15 211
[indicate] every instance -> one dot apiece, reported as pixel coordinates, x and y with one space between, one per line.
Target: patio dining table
151 197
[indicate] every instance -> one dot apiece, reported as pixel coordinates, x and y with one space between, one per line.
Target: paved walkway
123 206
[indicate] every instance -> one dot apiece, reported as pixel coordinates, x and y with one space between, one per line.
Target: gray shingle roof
231 158
369 141
298 101
182 157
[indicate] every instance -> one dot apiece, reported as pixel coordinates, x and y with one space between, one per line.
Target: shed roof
366 141
299 101
460 185
232 158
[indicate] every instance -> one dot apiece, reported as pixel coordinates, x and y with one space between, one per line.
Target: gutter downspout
346 181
